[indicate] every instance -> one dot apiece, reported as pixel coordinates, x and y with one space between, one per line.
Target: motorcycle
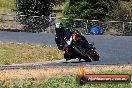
73 51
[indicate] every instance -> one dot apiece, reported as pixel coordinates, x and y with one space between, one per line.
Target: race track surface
112 49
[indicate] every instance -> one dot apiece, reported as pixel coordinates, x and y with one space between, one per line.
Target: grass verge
12 53
7 4
63 81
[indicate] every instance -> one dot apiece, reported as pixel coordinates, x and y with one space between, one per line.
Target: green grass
7 4
63 81
12 53
126 5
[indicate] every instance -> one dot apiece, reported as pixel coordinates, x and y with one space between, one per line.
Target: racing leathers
80 42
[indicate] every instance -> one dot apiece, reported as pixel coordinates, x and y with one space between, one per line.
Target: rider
60 32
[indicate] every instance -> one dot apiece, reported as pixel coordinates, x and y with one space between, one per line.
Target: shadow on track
74 62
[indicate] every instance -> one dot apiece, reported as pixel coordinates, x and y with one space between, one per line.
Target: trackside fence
37 24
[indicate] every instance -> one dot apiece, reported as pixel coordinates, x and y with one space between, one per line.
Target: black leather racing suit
81 41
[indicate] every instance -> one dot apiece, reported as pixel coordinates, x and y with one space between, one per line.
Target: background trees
89 9
36 7
36 13
84 9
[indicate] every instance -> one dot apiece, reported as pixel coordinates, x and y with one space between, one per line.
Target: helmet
59 28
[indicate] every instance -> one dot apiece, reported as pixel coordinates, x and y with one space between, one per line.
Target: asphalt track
113 50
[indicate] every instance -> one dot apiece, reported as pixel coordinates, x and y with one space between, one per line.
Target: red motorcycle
73 51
